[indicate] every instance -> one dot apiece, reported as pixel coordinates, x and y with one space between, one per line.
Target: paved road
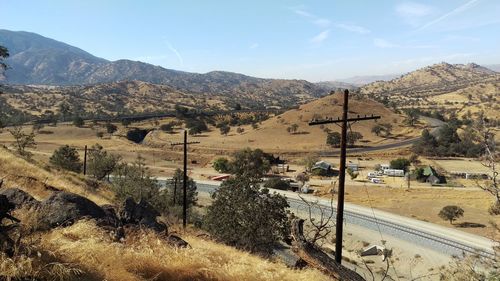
433 123
434 237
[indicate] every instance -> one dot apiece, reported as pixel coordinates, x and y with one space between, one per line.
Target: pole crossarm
185 178
345 122
338 120
181 143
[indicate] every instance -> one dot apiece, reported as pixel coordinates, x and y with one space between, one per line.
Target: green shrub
277 183
67 158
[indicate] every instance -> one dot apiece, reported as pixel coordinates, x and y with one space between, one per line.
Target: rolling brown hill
445 87
272 135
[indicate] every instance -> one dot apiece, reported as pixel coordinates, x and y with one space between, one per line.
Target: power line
342 167
184 181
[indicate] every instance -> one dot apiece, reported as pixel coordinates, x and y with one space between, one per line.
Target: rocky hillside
72 228
438 78
464 90
35 59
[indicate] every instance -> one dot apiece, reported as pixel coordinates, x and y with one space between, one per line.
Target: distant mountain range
494 67
38 60
35 59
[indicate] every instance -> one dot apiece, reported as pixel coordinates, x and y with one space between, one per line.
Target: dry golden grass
425 204
84 251
144 256
272 135
32 178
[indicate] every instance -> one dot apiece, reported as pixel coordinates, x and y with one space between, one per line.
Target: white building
394 172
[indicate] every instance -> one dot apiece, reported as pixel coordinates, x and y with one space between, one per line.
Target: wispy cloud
177 54
325 23
453 12
382 43
322 36
254 46
314 19
353 28
321 22
413 13
301 12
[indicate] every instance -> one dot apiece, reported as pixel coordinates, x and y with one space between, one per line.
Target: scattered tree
353 137
451 213
100 163
37 126
191 193
78 121
246 216
224 129
23 141
333 139
221 165
293 128
67 158
240 130
377 129
412 116
126 122
400 164
134 180
110 128
196 126
249 164
167 127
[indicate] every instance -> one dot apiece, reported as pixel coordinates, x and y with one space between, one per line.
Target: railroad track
406 233
410 234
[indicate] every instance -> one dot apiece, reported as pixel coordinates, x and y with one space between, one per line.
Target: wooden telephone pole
184 181
342 168
85 161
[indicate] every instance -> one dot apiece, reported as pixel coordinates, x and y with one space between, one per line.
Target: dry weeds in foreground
35 180
143 256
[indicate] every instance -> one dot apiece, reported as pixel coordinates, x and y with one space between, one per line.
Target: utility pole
343 155
184 181
175 189
85 161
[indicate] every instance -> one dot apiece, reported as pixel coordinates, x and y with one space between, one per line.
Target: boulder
177 242
111 218
64 208
19 198
141 213
5 207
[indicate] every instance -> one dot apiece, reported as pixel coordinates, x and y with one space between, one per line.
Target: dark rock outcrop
19 198
111 218
177 242
64 208
141 213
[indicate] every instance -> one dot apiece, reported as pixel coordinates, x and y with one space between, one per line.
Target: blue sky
313 40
